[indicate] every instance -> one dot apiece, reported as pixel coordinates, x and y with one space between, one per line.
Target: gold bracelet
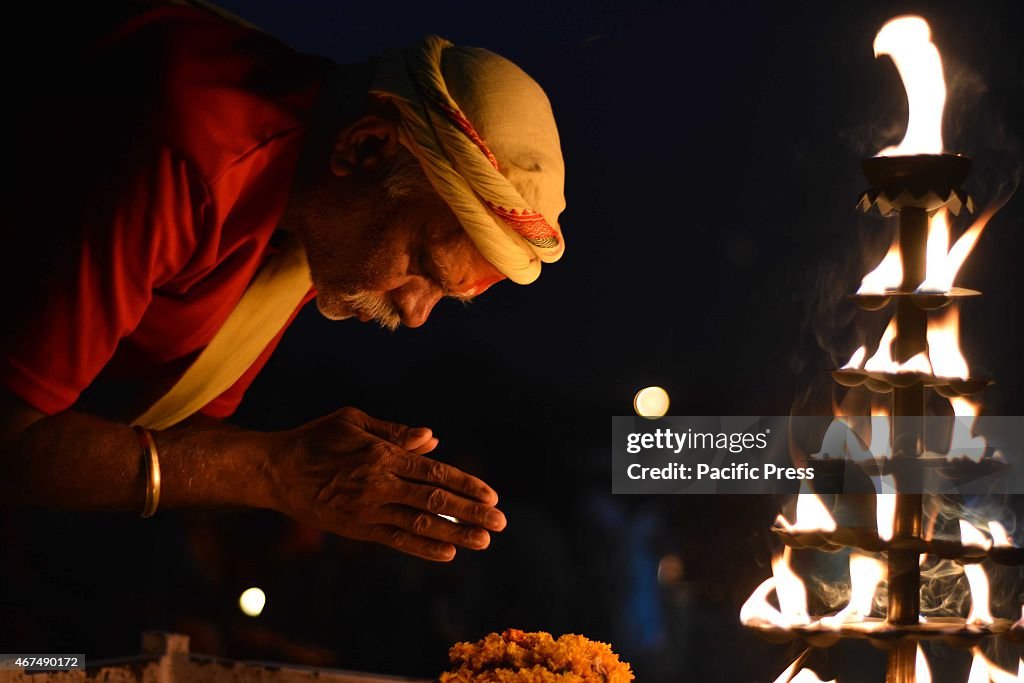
152 461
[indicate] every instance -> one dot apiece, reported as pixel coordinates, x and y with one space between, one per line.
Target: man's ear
364 145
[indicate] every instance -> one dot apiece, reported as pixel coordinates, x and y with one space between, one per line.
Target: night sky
712 153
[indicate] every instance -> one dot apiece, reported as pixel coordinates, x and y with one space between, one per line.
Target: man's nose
416 299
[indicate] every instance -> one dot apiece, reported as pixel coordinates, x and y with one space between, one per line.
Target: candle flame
882 360
857 359
984 670
885 506
865 575
1000 538
808 676
922 673
790 592
787 675
918 363
811 515
791 675
970 535
976 578
881 443
963 443
887 275
941 267
944 344
978 581
907 41
937 278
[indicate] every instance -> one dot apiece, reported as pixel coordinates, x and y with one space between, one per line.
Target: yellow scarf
261 313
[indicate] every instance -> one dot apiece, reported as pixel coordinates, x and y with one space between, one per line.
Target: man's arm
346 473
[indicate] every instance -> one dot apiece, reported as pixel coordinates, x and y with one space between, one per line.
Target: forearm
202 423
83 462
346 473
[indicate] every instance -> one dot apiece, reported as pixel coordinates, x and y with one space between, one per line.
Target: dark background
712 154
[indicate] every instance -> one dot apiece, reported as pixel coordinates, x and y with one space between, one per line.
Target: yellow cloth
484 133
261 313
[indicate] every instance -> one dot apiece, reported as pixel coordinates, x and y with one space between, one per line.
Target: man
185 186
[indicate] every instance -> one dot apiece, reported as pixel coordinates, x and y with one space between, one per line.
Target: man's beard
375 305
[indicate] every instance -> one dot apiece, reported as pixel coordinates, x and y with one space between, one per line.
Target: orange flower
519 657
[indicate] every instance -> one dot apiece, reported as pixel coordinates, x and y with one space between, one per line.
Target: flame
978 581
976 577
919 363
937 255
865 575
857 359
979 668
811 515
941 268
790 675
836 441
887 275
882 360
885 506
964 407
942 264
881 443
984 670
757 610
787 675
790 592
808 676
943 358
969 535
962 442
944 344
1000 538
922 673
907 40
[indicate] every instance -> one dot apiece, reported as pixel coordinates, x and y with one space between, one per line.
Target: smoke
944 589
974 124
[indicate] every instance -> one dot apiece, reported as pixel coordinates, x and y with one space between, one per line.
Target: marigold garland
519 657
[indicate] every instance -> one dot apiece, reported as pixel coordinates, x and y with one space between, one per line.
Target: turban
483 132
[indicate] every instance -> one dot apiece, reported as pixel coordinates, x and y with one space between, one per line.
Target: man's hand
367 479
347 473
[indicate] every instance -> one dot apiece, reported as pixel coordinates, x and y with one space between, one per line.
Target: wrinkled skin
381 243
368 479
381 246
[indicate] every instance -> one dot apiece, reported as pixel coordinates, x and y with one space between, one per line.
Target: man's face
383 246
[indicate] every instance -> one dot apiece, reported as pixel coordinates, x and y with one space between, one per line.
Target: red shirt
156 173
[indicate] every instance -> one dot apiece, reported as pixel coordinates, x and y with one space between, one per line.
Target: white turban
485 136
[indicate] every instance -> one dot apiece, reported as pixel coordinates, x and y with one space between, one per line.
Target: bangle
152 463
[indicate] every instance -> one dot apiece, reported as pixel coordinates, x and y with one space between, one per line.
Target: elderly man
204 183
